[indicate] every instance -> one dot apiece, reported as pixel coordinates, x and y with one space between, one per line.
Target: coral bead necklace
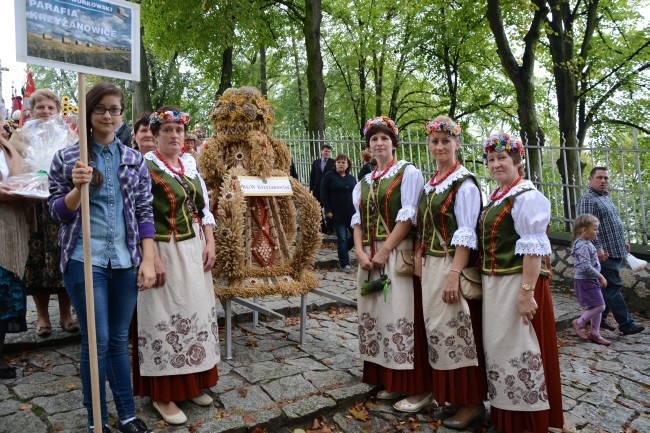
498 194
374 175
178 171
434 182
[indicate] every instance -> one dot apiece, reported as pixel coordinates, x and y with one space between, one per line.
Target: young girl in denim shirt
122 231
588 280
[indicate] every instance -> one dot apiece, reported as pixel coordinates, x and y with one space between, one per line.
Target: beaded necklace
374 175
178 171
434 182
498 195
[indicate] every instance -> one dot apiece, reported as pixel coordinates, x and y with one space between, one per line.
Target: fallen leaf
260 430
195 426
58 427
218 415
25 407
252 343
359 412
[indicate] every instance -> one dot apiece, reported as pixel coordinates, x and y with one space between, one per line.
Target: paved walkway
277 385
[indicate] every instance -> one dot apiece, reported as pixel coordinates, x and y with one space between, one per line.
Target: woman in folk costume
177 335
447 218
521 353
42 274
391 327
14 237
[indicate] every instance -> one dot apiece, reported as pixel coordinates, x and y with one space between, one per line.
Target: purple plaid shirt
136 192
611 234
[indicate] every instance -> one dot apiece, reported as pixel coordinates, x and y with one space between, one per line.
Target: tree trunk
363 111
263 82
296 62
141 91
522 79
562 49
226 72
315 82
378 72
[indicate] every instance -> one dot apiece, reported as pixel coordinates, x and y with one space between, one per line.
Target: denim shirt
107 224
135 188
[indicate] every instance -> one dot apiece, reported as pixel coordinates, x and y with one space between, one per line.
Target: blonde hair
41 94
584 221
453 125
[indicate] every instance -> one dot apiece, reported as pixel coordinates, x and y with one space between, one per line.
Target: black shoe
134 426
632 329
605 325
8 372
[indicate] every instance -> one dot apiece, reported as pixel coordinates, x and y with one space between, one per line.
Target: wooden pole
88 260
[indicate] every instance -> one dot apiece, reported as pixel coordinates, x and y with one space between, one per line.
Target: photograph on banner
99 37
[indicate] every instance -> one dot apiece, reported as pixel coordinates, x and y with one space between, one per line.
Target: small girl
588 280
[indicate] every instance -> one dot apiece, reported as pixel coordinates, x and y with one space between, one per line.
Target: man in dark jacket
319 167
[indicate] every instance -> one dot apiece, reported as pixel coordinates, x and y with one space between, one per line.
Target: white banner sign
100 37
256 186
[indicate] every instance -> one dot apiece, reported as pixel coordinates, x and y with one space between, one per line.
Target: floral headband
381 120
501 142
9 126
161 117
450 129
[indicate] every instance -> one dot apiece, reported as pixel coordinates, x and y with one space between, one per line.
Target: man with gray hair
611 248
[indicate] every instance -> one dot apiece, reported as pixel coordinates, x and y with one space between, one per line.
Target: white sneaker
347 268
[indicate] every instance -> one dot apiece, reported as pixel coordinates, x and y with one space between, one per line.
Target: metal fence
629 182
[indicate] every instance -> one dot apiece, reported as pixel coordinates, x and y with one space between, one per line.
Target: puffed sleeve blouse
410 190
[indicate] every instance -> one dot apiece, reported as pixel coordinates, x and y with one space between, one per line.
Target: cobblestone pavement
274 384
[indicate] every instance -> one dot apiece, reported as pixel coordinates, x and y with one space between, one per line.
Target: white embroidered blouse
531 213
192 172
410 190
466 207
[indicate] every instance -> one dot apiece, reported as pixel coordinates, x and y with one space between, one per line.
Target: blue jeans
344 241
614 302
115 293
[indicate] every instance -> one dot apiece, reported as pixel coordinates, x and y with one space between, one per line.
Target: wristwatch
527 287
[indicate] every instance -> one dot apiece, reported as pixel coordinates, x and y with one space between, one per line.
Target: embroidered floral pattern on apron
521 380
396 342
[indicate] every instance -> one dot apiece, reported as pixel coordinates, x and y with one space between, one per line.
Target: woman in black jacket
336 197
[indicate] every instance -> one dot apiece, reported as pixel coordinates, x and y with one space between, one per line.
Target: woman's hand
450 292
417 265
526 305
146 274
209 256
6 195
380 259
364 261
602 281
159 268
81 174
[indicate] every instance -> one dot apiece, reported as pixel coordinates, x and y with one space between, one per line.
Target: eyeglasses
114 111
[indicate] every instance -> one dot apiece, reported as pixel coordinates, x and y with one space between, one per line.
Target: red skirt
509 421
465 385
164 389
414 381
